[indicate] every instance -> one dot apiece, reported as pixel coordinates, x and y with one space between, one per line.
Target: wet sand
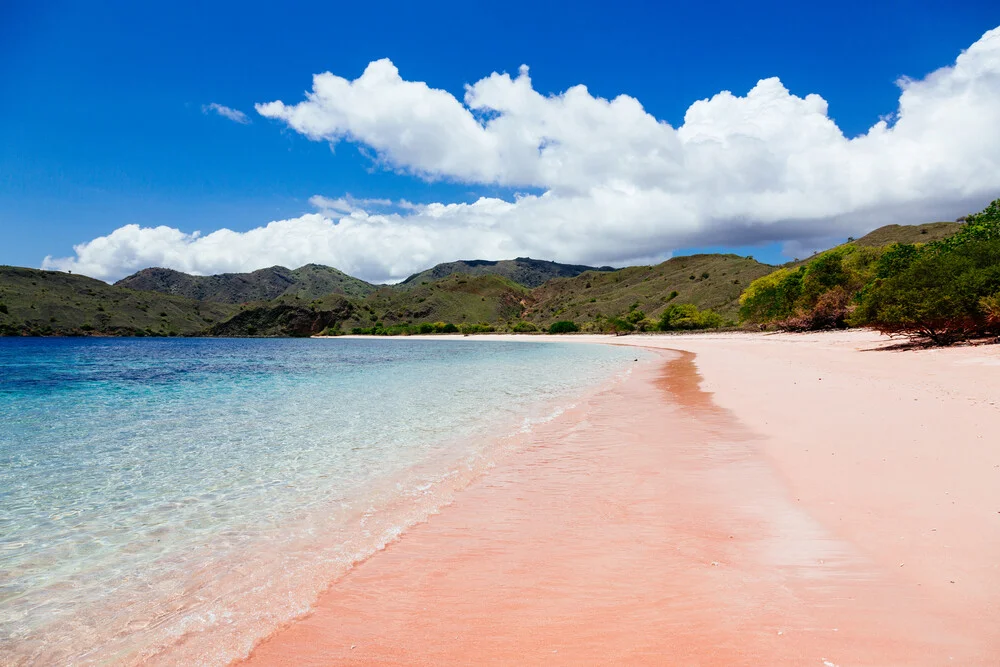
741 500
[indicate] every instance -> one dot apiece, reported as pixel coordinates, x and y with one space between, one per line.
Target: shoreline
787 518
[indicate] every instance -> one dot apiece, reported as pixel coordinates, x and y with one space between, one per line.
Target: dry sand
742 500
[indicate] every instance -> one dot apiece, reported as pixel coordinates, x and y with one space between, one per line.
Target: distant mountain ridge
52 303
308 282
521 270
516 295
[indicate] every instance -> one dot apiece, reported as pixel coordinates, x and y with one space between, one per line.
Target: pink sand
754 500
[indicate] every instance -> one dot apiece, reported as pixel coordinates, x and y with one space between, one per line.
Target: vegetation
523 271
283 319
686 317
938 282
523 327
815 295
890 234
941 291
487 300
707 281
406 329
563 326
308 282
47 303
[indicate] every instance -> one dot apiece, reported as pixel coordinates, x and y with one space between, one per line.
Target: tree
941 293
563 326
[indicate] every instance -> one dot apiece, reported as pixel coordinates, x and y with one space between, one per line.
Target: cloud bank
610 183
232 114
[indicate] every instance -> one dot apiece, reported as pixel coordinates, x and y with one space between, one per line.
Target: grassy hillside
926 233
34 302
523 271
307 282
458 299
707 281
315 298
285 318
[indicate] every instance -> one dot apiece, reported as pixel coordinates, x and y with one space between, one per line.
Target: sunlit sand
744 499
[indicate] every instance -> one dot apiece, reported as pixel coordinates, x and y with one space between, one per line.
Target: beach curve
709 528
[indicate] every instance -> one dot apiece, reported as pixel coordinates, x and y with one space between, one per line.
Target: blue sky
104 124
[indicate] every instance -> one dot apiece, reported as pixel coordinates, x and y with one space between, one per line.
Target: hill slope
315 298
522 270
34 302
311 281
931 231
286 318
708 281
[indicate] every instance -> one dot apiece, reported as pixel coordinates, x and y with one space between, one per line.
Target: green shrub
944 293
635 316
830 311
990 306
615 325
979 227
772 297
817 295
647 324
563 326
686 316
470 328
3 308
821 274
523 327
896 259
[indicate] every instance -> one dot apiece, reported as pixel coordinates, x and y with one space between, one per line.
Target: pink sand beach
738 500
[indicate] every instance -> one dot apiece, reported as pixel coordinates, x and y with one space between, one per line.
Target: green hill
279 302
307 282
34 302
889 234
285 318
522 270
457 298
707 281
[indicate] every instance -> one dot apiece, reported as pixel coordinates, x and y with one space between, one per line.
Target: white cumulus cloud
610 183
234 115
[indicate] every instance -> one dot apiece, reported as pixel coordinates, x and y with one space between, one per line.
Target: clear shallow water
176 500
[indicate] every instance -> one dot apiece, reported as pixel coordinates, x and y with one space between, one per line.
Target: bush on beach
944 295
563 326
940 292
687 317
524 327
423 328
470 328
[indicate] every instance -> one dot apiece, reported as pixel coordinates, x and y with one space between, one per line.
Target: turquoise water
176 500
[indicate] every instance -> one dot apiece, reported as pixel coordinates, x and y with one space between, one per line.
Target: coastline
791 499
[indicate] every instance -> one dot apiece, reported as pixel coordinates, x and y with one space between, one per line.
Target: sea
174 501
